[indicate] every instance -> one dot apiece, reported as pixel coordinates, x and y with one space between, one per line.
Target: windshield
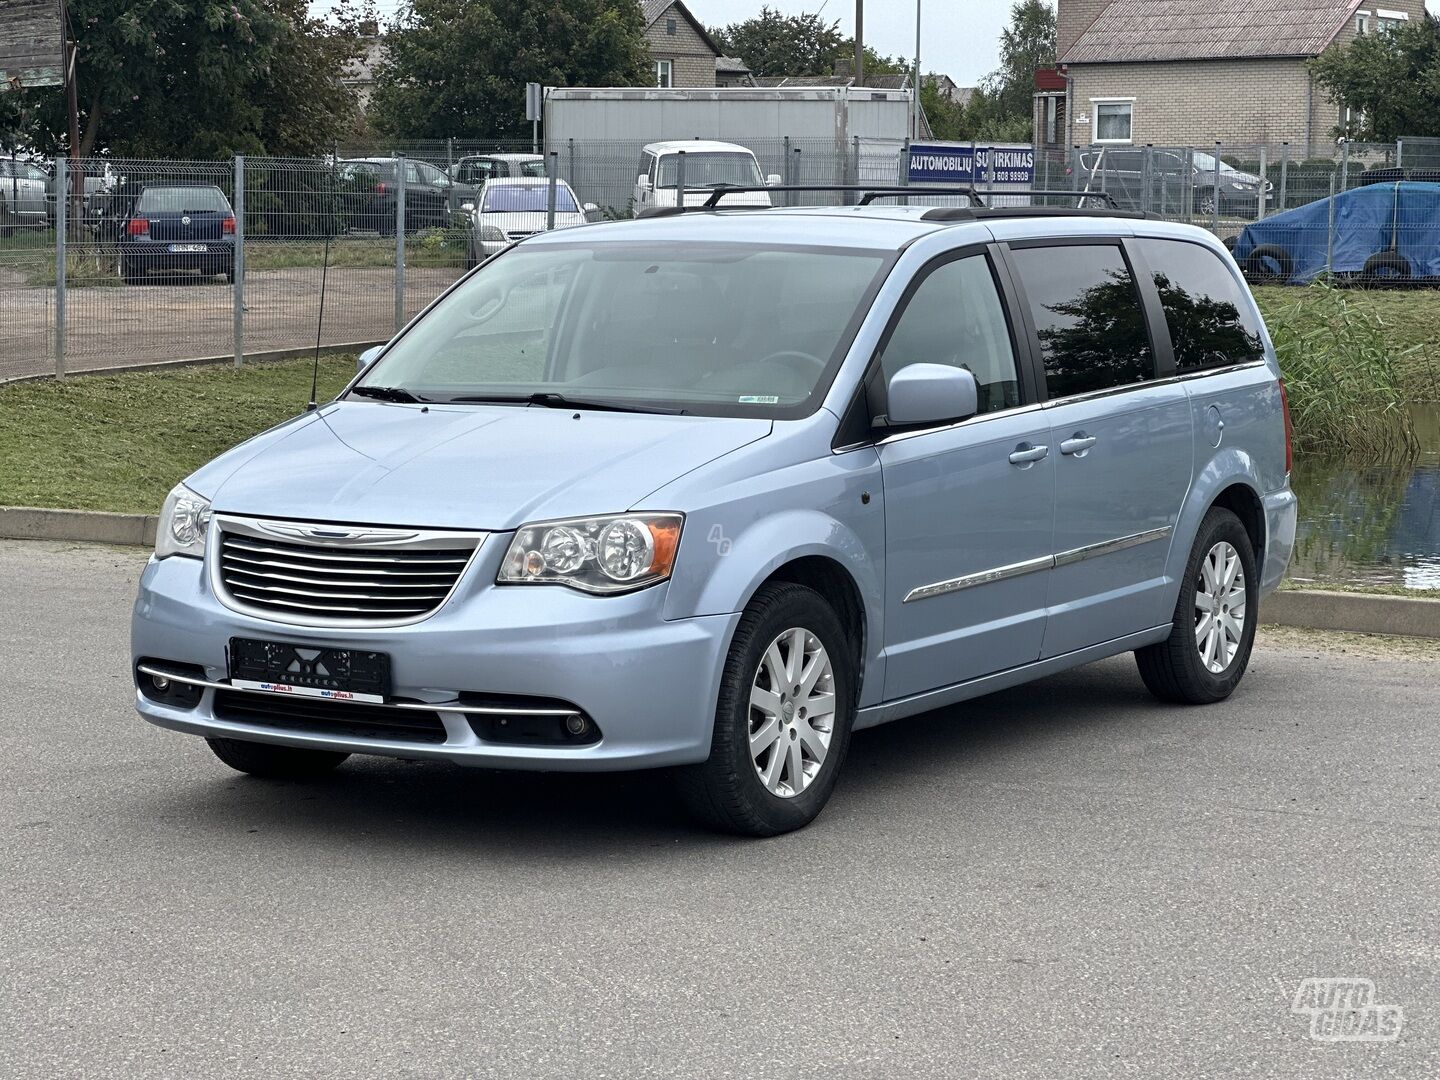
181 200
1206 163
512 198
711 328
711 170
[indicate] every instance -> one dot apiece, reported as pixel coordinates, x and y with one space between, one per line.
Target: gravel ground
117 326
1061 880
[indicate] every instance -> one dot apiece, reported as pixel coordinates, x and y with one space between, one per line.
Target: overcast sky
959 38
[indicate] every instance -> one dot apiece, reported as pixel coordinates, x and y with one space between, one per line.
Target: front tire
1213 630
783 720
275 762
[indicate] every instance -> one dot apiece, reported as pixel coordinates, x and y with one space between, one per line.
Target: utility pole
859 42
915 133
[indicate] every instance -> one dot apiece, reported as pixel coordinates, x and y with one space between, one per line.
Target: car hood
463 467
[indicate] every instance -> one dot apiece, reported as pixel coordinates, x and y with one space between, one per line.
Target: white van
708 165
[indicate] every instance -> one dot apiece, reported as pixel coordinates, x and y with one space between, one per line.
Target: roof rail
869 193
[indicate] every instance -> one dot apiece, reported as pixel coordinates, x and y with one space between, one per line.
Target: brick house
1189 72
682 51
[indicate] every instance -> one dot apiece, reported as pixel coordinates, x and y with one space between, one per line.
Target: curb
1361 613
1311 609
85 526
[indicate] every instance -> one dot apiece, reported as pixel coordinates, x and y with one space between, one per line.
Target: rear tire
130 273
1205 633
1269 264
790 630
1386 266
275 762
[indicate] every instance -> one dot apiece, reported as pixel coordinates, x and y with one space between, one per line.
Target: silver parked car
711 491
512 208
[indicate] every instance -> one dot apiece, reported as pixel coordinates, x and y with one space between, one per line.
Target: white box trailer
803 134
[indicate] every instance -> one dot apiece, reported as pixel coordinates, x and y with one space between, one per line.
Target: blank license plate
309 671
189 249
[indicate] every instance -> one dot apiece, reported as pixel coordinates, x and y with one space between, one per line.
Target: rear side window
955 317
1088 317
1211 323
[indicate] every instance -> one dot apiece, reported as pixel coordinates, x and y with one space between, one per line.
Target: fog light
575 725
161 682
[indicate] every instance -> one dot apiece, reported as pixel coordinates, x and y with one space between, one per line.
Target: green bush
1342 375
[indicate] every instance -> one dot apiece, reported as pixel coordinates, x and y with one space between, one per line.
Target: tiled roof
1133 30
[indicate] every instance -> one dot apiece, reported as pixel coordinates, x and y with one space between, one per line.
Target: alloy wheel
1219 607
792 712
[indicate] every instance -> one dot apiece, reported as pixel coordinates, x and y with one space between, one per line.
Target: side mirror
930 394
468 207
590 208
367 357
774 180
643 181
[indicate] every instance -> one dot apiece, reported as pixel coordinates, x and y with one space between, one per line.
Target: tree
1390 81
459 67
772 44
946 117
194 78
1000 108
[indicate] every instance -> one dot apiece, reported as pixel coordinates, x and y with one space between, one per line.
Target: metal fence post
1147 176
905 169
1284 175
62 202
1330 231
1345 165
450 172
990 170
1215 193
1260 195
399 242
854 169
785 168
238 261
571 149
551 188
1399 153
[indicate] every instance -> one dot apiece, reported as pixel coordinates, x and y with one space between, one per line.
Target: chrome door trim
978 418
984 577
1106 547
1030 566
1145 384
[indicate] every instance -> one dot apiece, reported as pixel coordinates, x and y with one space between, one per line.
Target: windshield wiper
388 393
560 401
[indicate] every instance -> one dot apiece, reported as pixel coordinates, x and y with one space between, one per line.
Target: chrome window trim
347 538
1030 566
1091 395
476 710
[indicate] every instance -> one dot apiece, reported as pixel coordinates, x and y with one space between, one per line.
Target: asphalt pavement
1061 880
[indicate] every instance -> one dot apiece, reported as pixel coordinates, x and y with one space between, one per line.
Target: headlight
184 521
596 555
491 234
1245 185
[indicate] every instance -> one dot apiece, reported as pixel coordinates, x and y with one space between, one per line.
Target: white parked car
708 165
510 208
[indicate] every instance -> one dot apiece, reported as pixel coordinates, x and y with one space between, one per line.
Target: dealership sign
962 163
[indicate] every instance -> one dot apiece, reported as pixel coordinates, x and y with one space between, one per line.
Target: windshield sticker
759 399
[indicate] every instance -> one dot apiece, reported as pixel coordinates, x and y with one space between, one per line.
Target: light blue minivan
711 491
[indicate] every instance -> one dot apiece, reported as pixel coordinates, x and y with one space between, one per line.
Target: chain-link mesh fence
163 261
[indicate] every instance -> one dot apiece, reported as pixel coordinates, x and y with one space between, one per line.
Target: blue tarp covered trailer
1382 231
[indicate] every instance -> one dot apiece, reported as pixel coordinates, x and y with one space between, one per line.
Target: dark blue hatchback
178 227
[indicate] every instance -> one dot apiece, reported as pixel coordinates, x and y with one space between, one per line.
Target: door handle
1078 444
1026 454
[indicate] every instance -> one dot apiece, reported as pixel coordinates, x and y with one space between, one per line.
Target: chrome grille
330 575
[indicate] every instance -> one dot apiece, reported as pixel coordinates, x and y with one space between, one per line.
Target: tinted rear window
1087 317
181 200
1210 319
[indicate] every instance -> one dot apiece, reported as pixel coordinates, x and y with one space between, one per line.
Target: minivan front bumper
648 685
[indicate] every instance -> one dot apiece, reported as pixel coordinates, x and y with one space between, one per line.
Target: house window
1390 20
664 73
670 27
1112 119
1362 23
